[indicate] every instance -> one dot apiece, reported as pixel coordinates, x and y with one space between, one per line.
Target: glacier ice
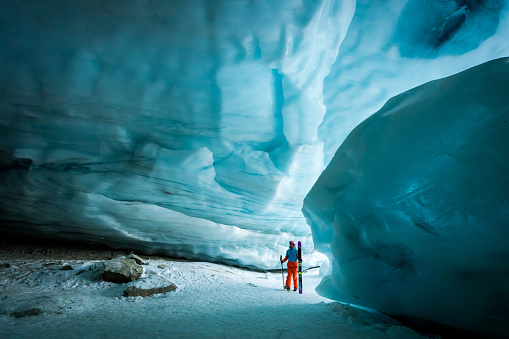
413 210
392 46
185 127
196 128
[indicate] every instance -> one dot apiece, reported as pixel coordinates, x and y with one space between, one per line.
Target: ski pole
282 275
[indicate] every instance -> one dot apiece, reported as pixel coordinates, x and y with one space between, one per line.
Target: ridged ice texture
395 45
414 206
181 127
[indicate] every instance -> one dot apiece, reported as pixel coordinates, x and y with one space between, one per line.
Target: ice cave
374 132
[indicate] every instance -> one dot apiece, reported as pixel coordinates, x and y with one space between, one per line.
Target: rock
67 267
149 286
162 266
133 291
27 313
121 270
5 265
139 260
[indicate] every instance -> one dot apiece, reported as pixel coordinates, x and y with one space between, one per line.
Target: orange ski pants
293 267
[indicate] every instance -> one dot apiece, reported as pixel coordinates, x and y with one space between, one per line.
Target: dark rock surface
133 291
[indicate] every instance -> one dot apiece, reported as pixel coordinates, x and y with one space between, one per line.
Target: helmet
292 242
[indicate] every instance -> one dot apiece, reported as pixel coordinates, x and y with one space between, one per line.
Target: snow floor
39 300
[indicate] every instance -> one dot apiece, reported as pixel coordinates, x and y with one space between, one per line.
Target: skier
292 257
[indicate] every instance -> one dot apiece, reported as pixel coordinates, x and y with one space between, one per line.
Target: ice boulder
413 209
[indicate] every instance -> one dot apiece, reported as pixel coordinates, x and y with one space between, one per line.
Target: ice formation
184 127
196 128
395 45
414 207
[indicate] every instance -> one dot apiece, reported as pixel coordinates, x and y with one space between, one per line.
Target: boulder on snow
121 270
133 291
27 313
67 267
148 286
138 259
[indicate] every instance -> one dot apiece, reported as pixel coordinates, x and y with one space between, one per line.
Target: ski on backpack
299 249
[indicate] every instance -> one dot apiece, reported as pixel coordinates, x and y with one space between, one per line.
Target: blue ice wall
196 128
187 128
413 209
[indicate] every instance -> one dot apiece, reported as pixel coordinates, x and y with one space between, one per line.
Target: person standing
293 264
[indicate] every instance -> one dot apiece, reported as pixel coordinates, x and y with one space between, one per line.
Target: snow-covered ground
40 300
